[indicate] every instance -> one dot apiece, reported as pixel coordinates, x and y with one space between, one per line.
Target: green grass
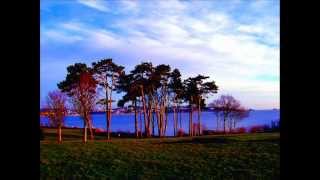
246 156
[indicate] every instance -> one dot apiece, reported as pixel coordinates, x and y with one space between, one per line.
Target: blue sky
235 42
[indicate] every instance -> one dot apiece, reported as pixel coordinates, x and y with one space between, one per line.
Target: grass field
246 156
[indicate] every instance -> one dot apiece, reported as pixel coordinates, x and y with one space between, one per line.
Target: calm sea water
125 122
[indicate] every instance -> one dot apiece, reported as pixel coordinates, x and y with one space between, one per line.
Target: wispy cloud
194 37
96 4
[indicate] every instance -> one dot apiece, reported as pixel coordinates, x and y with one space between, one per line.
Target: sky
235 42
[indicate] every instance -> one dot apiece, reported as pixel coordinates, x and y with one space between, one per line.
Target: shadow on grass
215 140
219 140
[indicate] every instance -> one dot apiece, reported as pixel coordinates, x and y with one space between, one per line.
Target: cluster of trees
228 111
149 89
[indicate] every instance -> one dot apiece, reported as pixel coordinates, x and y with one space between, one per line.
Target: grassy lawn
246 156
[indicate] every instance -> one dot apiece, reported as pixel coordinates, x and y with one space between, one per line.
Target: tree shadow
219 140
216 140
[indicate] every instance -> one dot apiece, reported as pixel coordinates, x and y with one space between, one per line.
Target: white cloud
129 5
212 43
53 35
95 4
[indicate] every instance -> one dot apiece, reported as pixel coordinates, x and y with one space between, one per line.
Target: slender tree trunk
144 111
108 127
218 119
135 119
149 117
140 115
158 117
85 139
161 121
59 134
190 121
174 122
153 113
110 107
180 118
107 111
166 120
177 122
224 124
90 127
199 116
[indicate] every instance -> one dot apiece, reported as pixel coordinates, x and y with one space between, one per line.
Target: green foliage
248 156
196 89
73 77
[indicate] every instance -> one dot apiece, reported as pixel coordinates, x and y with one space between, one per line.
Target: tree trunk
135 119
166 120
144 111
161 121
190 122
153 113
140 115
90 128
85 139
108 127
180 117
158 117
217 119
59 134
174 122
149 117
199 116
224 124
107 111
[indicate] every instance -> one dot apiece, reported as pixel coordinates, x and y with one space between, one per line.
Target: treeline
153 88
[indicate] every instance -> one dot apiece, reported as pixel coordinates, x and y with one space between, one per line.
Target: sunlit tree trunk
180 118
140 116
190 122
135 119
199 116
153 113
107 111
85 139
89 120
224 123
217 120
144 111
109 104
174 122
149 117
158 117
59 134
230 124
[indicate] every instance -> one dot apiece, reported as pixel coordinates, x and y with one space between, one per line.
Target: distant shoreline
124 113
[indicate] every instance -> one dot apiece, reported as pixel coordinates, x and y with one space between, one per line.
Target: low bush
240 130
181 133
256 129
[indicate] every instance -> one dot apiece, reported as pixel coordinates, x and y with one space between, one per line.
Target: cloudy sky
235 42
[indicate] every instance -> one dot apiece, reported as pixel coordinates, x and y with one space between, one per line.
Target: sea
125 122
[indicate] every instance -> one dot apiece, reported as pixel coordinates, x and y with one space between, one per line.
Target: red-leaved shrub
255 129
181 133
241 130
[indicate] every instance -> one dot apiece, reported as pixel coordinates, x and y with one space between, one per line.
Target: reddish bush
255 129
181 133
99 130
240 130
